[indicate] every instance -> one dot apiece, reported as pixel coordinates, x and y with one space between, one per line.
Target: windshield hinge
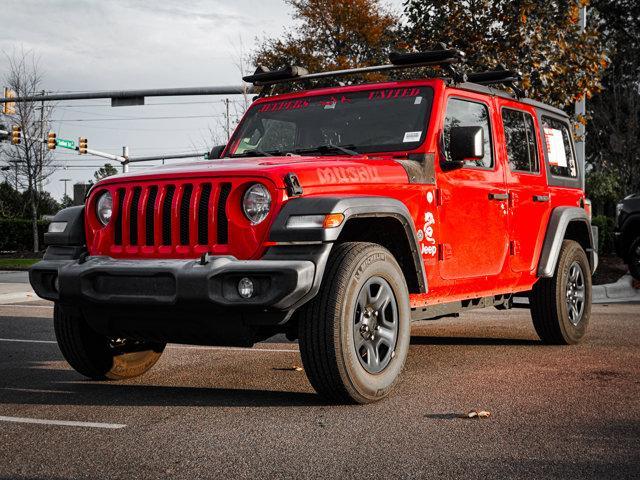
294 188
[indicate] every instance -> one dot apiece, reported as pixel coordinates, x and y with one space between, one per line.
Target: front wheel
97 356
561 305
355 334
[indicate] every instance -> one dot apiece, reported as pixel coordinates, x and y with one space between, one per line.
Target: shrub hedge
16 234
605 225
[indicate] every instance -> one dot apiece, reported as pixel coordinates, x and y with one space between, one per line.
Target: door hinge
514 248
445 251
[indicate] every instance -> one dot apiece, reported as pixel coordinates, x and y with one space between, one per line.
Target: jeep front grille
186 217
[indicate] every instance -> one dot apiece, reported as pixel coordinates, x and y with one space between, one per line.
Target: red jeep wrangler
337 216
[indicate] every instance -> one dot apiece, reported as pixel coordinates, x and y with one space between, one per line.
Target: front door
472 200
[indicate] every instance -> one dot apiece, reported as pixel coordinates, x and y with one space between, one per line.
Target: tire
97 356
343 362
561 305
634 259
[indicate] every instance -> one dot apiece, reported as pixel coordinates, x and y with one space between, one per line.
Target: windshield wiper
329 148
257 153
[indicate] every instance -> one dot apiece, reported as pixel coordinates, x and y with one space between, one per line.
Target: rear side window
464 113
560 154
520 135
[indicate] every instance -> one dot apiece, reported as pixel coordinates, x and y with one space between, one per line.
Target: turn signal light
333 220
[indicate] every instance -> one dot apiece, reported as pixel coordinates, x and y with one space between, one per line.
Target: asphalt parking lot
556 412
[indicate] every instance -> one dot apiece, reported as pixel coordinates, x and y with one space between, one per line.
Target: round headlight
256 203
104 207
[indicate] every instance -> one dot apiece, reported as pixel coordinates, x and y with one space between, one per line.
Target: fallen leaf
295 368
476 414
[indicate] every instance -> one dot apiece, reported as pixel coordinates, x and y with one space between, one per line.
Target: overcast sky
130 44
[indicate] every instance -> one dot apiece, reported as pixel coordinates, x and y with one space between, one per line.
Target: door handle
498 196
541 198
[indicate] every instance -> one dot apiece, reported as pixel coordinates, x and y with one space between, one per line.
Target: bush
605 225
17 235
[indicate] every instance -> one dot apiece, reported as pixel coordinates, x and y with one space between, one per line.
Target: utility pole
581 110
65 180
42 148
226 102
125 154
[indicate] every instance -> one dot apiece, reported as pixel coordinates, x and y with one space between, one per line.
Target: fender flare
559 221
351 207
73 233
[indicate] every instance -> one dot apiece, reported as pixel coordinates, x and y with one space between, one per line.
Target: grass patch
17 263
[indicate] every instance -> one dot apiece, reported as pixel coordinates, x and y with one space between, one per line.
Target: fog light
245 288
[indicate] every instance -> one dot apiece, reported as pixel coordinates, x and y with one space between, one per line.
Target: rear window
559 148
520 136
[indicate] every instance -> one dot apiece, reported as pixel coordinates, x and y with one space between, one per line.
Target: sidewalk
621 291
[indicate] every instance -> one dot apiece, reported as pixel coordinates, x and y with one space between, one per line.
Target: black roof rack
498 76
443 57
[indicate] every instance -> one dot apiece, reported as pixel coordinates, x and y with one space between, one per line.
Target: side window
520 136
562 160
464 113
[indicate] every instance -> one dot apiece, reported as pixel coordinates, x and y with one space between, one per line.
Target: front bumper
95 281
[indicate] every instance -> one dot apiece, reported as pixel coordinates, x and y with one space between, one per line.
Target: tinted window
560 155
519 132
463 113
365 121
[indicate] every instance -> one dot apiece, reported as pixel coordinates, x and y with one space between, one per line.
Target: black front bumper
94 281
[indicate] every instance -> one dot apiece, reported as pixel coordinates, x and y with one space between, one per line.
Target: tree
104 172
10 201
332 34
613 131
32 158
66 201
559 63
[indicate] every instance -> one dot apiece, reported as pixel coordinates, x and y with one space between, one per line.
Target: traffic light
51 141
16 134
9 108
4 133
82 145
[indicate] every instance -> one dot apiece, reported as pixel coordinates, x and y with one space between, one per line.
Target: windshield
376 120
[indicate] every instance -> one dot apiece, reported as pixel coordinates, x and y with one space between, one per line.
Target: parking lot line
64 423
12 305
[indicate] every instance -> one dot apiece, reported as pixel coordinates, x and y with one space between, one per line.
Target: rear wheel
634 259
97 356
561 305
355 334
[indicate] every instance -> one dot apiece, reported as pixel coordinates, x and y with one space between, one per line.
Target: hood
311 171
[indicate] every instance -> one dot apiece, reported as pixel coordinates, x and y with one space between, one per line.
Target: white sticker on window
555 147
417 101
412 137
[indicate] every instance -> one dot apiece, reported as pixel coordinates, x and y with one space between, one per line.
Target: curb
621 291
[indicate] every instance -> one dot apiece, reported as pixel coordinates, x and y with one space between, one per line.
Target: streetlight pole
581 110
65 180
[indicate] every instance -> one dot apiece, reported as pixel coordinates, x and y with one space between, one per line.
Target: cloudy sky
130 44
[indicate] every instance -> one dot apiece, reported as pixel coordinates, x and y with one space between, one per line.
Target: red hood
311 171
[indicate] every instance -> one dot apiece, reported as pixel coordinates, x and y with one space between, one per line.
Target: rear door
529 197
473 199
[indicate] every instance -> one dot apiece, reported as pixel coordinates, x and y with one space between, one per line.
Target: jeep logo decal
348 175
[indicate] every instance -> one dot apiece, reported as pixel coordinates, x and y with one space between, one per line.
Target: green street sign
61 142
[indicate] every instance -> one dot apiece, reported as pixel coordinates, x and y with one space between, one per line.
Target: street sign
61 142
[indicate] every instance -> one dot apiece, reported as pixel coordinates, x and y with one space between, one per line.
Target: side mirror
465 143
216 152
